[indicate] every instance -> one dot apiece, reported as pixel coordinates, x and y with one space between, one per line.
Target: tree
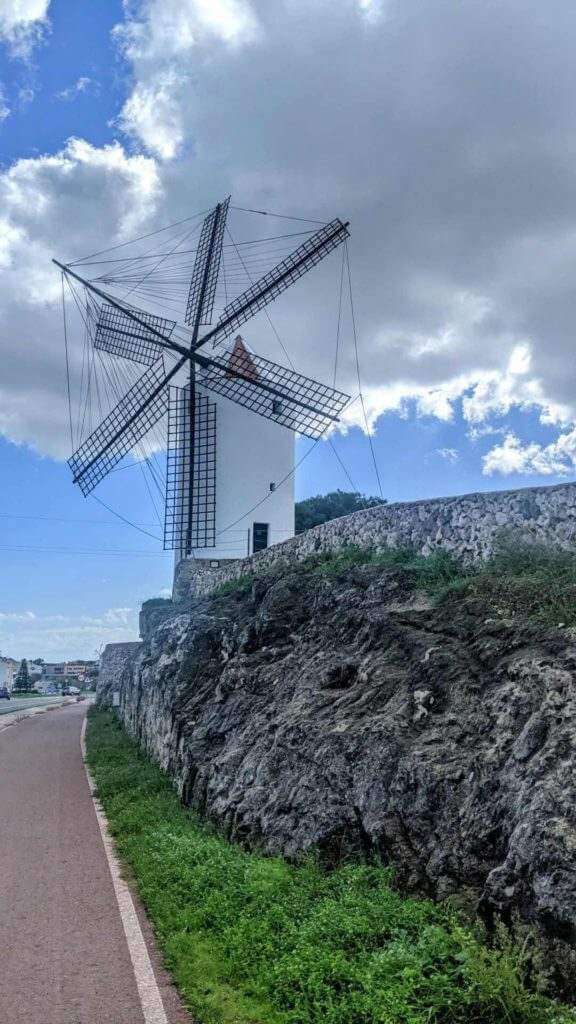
324 507
23 681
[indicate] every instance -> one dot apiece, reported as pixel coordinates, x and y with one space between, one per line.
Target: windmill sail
207 267
190 518
273 391
121 335
134 416
269 287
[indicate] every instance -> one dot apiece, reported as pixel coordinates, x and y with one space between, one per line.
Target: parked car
70 691
4 693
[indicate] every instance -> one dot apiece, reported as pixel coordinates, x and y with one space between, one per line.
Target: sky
445 133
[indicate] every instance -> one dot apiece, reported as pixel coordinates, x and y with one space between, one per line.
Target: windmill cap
240 360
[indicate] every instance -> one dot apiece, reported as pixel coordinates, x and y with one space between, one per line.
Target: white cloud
22 23
152 113
160 43
372 9
457 270
555 459
82 84
458 184
55 637
449 454
4 108
75 201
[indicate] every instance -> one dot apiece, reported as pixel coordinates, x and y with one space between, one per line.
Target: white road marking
150 998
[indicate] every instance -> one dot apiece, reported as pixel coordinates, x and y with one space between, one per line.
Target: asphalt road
64 956
8 707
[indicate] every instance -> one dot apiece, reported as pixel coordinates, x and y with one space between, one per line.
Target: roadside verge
255 940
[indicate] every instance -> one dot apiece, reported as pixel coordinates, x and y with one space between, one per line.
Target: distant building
54 670
57 673
8 670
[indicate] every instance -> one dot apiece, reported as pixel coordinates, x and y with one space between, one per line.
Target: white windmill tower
224 463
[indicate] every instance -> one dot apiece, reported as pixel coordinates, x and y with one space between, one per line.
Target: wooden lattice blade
273 391
207 267
121 335
130 420
269 287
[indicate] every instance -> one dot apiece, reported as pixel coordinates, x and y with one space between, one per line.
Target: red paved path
63 953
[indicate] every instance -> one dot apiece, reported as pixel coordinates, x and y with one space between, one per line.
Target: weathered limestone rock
351 716
112 664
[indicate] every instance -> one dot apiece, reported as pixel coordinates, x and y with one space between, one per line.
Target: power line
71 551
64 519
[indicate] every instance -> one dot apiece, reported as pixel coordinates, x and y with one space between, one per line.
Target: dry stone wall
466 525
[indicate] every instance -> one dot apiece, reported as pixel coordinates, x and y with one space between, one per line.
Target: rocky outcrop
350 716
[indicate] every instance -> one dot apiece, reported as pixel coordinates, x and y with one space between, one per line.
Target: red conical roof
241 361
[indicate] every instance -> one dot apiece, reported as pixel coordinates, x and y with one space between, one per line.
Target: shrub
240 586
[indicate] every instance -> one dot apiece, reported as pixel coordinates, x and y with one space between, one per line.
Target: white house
253 500
8 670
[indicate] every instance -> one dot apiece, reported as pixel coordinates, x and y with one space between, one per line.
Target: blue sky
467 379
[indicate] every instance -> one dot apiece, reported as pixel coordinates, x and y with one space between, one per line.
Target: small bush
240 586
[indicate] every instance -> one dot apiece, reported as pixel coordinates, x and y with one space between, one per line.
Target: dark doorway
259 536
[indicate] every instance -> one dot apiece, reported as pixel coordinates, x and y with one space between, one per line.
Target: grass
521 578
531 580
255 940
240 586
430 572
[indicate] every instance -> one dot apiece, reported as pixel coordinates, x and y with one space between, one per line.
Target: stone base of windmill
191 575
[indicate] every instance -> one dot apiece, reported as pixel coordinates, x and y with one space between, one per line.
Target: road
65 958
8 707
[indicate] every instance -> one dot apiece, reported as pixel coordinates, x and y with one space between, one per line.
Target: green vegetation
23 682
254 940
240 586
430 572
522 578
324 507
156 602
532 580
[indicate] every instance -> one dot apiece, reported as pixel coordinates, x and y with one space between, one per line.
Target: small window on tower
277 407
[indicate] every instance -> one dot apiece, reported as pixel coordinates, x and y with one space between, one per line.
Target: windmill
168 348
